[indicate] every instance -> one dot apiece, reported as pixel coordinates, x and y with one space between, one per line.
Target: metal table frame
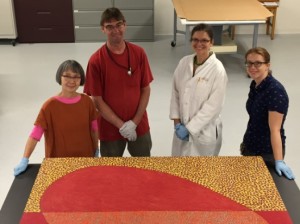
188 24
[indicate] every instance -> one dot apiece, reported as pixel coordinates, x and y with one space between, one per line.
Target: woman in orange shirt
67 120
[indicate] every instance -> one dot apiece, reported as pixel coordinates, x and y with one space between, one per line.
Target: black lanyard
128 68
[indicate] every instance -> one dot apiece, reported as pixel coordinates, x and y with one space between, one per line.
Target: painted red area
111 188
33 217
159 217
276 217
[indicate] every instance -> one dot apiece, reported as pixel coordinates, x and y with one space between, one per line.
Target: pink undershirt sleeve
94 125
37 133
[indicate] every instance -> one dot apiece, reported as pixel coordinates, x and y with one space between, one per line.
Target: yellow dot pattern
245 180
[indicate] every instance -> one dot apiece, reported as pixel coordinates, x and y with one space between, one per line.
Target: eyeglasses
71 78
201 41
256 64
118 26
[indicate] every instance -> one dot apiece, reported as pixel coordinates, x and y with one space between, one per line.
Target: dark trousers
141 147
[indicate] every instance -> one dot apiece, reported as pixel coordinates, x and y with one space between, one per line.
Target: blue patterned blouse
269 95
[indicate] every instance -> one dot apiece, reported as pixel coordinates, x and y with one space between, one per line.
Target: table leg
273 23
187 38
173 43
255 35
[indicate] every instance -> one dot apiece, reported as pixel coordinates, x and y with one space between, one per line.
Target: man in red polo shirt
118 78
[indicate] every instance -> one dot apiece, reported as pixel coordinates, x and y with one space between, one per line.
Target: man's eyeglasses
256 64
118 26
201 41
71 78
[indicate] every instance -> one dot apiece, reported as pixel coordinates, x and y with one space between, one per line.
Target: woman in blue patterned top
267 106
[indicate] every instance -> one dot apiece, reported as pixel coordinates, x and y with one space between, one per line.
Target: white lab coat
197 101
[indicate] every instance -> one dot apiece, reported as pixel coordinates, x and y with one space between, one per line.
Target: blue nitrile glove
97 153
186 138
181 132
281 167
21 167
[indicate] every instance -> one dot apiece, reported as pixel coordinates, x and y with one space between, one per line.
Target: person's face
201 42
256 67
70 82
114 30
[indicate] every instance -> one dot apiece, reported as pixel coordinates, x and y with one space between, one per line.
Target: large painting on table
155 190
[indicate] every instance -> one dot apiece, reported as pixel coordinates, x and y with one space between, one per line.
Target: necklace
196 62
128 68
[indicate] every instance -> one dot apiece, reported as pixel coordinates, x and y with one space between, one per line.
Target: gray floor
27 74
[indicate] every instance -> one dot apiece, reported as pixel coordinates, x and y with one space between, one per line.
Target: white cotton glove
128 130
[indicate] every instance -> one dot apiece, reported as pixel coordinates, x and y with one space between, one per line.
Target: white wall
288 17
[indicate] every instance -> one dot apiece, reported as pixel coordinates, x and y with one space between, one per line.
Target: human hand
128 130
181 132
21 167
281 167
97 153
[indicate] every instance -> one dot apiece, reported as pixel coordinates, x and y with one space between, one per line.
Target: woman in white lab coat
198 94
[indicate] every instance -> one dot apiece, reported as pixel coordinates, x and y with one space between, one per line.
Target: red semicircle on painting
112 188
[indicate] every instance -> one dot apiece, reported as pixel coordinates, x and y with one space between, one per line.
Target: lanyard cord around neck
122 66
